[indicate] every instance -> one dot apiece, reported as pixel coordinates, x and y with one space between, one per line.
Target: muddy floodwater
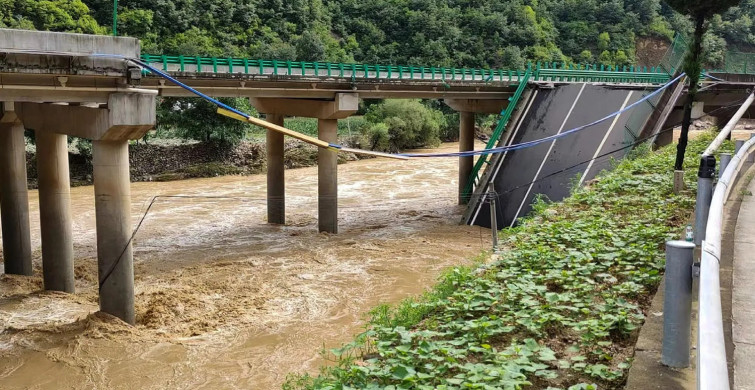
225 301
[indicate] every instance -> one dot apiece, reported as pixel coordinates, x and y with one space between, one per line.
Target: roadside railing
546 71
712 367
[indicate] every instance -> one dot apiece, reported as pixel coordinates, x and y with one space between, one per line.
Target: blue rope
470 153
530 144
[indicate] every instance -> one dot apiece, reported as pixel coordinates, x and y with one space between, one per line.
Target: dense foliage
559 307
428 32
402 124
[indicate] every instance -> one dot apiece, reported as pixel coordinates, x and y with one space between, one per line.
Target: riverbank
560 306
163 160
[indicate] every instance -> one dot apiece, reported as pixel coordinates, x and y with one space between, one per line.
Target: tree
699 11
604 41
309 47
512 58
197 119
410 124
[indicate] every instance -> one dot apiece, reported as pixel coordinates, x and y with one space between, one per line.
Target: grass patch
560 308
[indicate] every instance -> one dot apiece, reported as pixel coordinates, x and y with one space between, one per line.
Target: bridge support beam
55 211
14 196
466 143
467 109
276 174
327 112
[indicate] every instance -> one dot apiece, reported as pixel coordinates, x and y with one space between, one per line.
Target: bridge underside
550 169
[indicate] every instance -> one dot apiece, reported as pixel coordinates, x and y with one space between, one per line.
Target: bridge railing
736 62
562 72
243 66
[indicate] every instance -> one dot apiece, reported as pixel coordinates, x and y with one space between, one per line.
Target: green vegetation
197 119
348 127
450 33
559 307
402 124
432 32
700 11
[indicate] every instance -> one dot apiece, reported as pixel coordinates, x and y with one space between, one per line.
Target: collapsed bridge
95 87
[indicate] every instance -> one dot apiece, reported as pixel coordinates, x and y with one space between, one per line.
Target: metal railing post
704 194
677 304
725 160
493 216
738 145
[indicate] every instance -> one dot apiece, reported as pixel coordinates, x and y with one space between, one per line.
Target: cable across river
231 112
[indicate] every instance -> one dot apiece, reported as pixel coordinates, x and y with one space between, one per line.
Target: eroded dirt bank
226 301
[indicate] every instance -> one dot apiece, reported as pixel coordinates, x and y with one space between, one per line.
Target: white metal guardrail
712 367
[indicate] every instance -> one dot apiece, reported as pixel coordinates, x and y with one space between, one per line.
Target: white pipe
729 126
712 368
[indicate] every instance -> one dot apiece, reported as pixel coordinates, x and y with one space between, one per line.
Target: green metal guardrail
736 62
674 57
189 64
547 71
593 73
484 159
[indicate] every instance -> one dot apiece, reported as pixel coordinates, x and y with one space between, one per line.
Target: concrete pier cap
343 106
127 116
478 106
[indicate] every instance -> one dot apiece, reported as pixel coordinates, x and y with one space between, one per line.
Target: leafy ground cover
558 307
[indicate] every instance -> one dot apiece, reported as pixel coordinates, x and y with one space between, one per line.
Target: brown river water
225 301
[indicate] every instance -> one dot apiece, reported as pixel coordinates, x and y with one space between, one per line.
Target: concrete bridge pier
112 191
327 112
327 177
467 109
276 174
55 211
126 116
14 197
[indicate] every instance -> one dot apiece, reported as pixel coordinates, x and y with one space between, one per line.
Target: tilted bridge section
61 85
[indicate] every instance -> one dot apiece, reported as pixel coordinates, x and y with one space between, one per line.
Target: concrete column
327 177
14 199
466 143
55 211
112 190
276 185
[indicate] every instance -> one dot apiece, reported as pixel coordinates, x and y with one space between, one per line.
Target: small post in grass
704 195
677 304
493 217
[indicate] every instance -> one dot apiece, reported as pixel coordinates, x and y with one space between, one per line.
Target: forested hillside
467 33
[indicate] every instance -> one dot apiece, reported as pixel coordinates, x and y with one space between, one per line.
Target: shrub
377 136
410 124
